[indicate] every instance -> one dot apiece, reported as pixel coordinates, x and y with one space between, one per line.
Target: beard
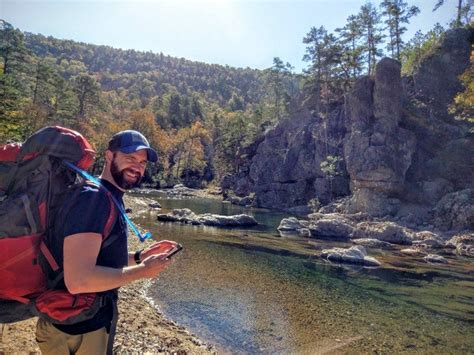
122 179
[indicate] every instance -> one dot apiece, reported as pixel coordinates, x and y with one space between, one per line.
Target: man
90 267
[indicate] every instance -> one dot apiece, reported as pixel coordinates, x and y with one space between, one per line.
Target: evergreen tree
87 90
370 19
277 82
397 12
349 37
463 11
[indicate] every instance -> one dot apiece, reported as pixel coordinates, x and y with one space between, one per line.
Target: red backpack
34 182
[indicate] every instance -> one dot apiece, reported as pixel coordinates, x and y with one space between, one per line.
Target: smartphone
175 250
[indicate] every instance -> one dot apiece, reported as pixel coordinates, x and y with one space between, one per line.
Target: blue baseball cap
130 141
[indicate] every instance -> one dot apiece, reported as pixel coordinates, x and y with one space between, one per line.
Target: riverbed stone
432 258
412 251
240 220
373 243
185 215
331 228
385 231
292 224
353 255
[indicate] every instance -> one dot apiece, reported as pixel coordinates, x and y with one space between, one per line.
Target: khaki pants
55 342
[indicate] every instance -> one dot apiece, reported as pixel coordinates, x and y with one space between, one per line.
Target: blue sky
238 33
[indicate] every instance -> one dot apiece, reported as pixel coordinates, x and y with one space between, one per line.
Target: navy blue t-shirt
88 213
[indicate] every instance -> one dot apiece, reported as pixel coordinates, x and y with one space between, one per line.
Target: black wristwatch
137 255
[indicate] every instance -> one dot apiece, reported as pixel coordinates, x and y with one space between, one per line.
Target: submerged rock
431 258
187 216
412 252
373 243
353 255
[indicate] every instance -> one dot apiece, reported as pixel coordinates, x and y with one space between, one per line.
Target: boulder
240 220
463 243
292 224
353 255
373 243
337 228
180 190
385 231
436 259
455 211
154 205
185 215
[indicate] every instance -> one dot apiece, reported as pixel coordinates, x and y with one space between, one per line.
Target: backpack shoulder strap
111 219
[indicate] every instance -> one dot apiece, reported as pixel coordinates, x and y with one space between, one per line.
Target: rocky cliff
403 153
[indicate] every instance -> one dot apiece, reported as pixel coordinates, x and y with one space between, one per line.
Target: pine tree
277 83
463 10
370 19
349 37
397 12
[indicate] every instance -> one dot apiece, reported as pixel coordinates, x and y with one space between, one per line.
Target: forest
200 116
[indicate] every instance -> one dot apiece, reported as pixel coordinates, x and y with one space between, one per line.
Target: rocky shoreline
141 327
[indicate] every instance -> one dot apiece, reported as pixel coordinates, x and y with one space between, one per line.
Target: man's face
128 169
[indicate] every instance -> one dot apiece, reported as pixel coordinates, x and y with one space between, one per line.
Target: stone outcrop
463 243
377 151
401 147
455 211
353 255
187 216
286 168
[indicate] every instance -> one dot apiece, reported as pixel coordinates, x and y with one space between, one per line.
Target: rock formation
403 152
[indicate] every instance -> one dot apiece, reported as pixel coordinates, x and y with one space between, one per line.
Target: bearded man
89 265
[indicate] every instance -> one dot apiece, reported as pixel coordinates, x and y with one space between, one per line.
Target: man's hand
155 264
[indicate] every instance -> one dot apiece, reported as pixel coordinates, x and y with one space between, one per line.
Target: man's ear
109 156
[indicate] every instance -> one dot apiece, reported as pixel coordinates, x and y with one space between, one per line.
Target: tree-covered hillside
201 117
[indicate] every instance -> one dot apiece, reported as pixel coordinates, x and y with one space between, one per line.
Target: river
252 291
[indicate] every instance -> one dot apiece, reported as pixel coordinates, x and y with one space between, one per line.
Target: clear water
252 291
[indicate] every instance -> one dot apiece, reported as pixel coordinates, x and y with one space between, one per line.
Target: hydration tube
88 176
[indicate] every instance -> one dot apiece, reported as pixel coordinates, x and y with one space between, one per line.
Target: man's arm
81 274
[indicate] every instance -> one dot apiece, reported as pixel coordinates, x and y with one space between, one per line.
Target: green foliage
330 168
463 105
419 47
397 13
314 204
463 14
280 86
